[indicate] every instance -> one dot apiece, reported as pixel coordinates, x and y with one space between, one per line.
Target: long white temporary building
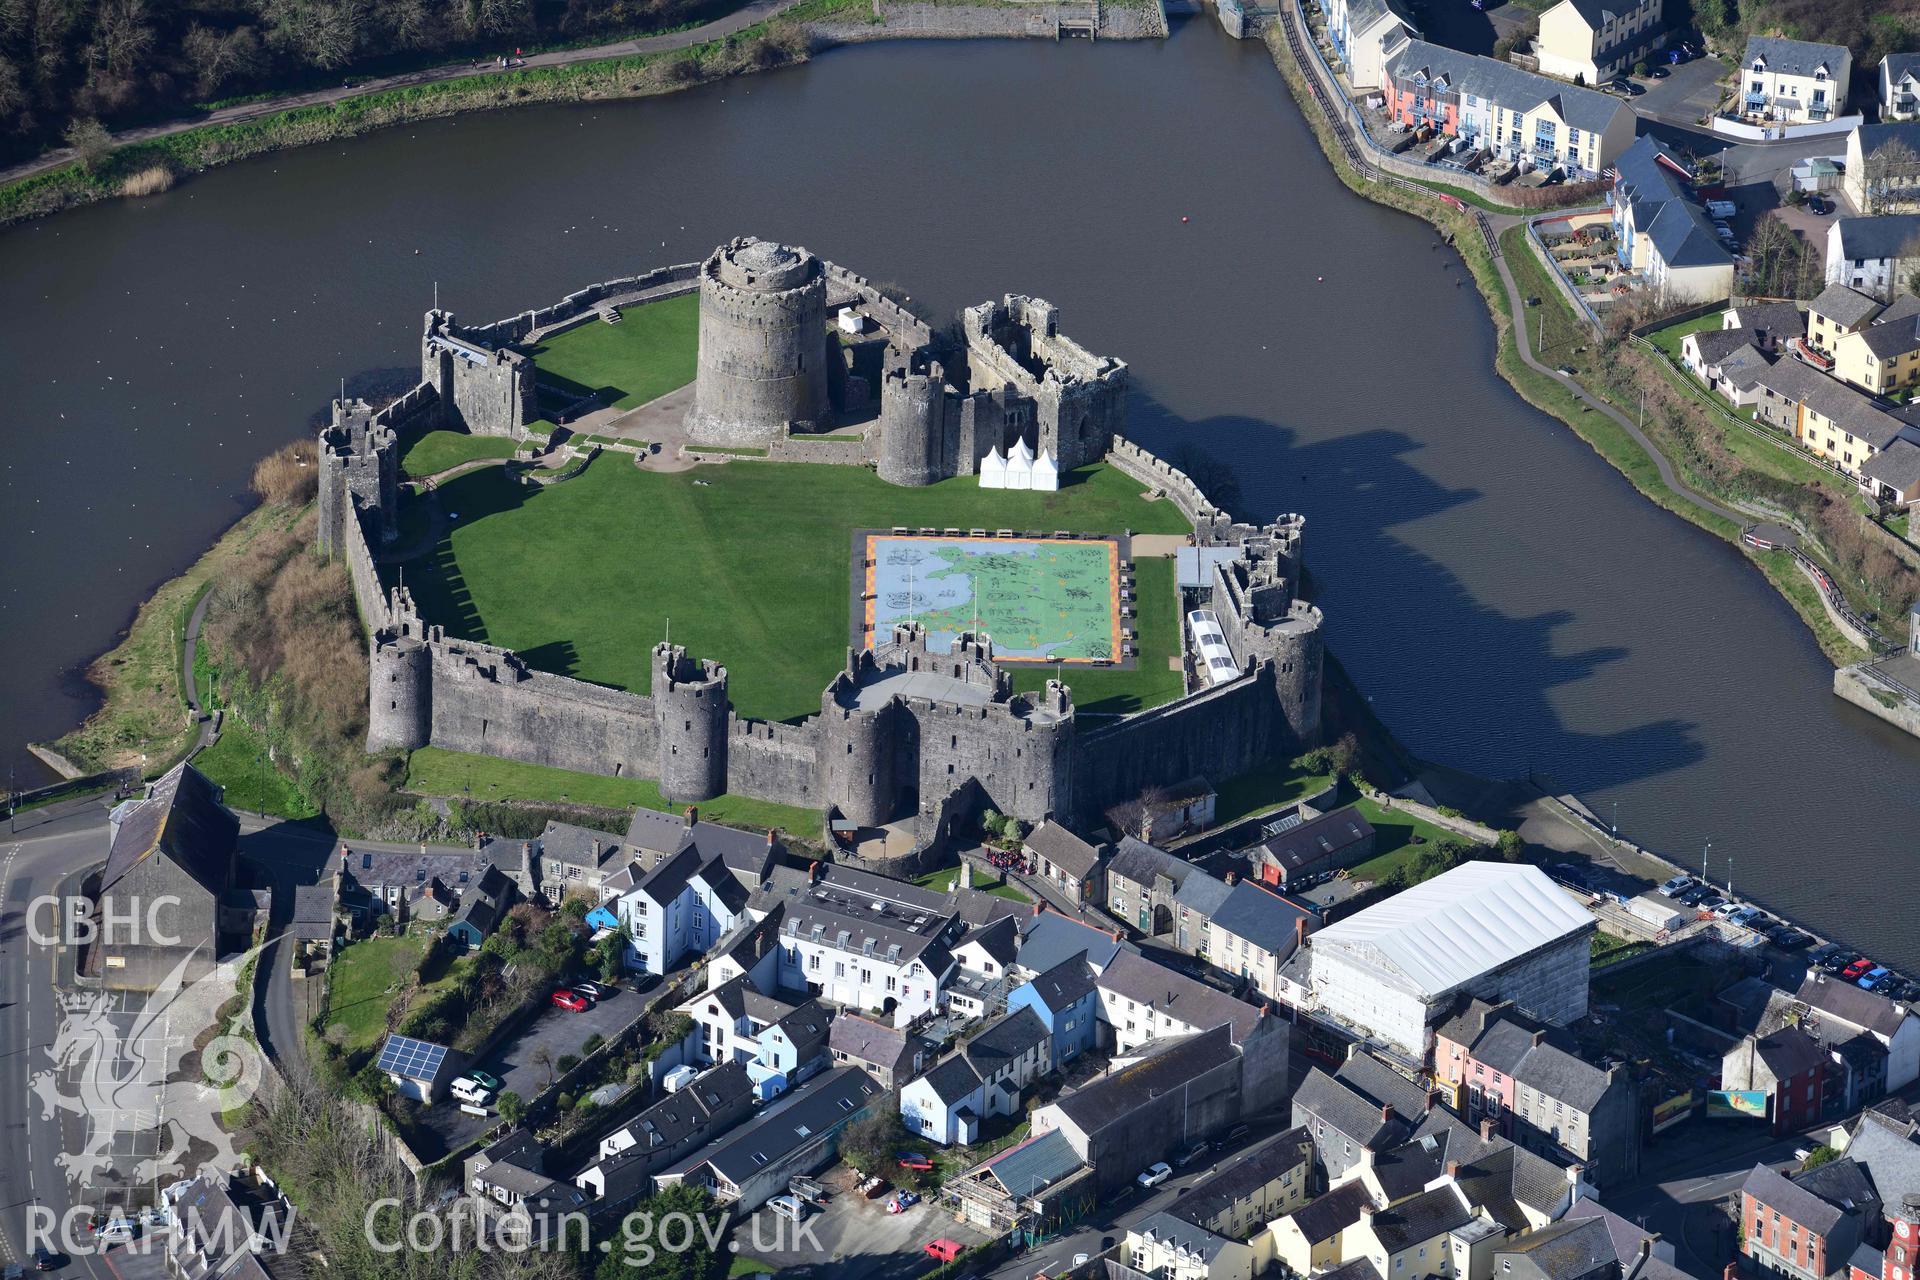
1496 930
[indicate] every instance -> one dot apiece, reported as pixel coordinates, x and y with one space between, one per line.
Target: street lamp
1703 861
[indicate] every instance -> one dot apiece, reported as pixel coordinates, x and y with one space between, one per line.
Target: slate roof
1793 1202
811 1110
1118 1095
1202 894
1004 1039
1262 917
1881 236
1744 368
183 819
1890 337
1504 1179
1001 940
1564 1250
747 854
1419 1218
1327 1216
952 1079
1185 1000
1564 1077
1854 411
1213 1195
1320 839
1381 1084
1841 1182
1850 1003
1897 465
1844 306
1874 136
1196 1242
806 1027
1887 1148
1598 13
1793 57
1772 317
1049 938
1715 345
1348 1112
1504 1045
1683 236
1064 985
1900 65
1142 863
577 846
1505 84
482 905
864 1040
1064 849
1354 1269
843 900
313 912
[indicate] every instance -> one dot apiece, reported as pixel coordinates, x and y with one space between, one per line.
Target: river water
1503 596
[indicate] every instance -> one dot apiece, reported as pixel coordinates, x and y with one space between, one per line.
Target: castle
789 345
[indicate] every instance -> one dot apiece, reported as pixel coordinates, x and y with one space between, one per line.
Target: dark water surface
1504 597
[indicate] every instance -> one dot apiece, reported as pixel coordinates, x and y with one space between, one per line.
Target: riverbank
1495 257
760 36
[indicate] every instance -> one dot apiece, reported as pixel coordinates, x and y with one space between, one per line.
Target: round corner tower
399 694
690 710
763 344
857 757
912 427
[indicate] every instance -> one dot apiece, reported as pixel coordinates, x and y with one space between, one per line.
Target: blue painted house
482 907
1065 999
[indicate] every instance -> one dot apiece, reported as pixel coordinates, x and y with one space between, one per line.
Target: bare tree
91 143
1891 176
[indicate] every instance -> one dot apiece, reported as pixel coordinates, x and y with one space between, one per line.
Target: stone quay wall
1048 21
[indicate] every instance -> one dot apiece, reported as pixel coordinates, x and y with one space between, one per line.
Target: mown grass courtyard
649 353
749 563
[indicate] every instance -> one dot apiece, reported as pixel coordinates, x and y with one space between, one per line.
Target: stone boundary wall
365 578
1159 475
906 328
1856 684
922 21
662 282
1477 832
1219 732
801 449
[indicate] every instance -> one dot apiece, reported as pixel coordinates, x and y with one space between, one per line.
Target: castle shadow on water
903 731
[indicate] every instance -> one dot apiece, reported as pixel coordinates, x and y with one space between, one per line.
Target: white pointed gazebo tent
1020 466
1045 474
993 470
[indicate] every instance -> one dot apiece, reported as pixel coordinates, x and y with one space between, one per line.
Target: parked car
1231 1136
1695 896
1725 908
1884 984
1658 72
1190 1154
486 1080
1155 1174
1821 952
1745 917
571 1000
1817 203
1721 210
45 1259
1676 886
118 1231
944 1249
1788 938
467 1089
595 990
790 1207
1907 990
1872 976
1857 969
902 1201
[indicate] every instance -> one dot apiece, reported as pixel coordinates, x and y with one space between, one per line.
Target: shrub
290 475
150 181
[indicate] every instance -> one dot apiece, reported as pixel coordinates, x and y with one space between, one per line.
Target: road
719 28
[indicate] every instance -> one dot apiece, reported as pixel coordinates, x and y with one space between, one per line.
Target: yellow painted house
1884 357
1592 41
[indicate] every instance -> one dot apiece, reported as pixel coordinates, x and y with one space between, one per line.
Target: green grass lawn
363 980
436 772
1668 339
750 563
649 353
940 880
1394 830
238 761
1261 790
435 451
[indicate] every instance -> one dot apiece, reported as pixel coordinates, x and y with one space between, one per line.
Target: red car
578 1003
1857 969
944 1249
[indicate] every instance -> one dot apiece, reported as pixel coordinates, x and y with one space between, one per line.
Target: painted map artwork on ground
1041 599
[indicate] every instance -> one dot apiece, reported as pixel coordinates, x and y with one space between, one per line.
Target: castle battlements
904 728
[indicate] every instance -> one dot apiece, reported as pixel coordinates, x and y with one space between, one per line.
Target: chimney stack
1233 878
1732 1272
773 837
693 814
1299 932
1453 1168
1386 1112
1539 1038
1486 1129
1433 1099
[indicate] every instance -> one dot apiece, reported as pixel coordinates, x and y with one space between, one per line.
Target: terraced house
1531 121
1362 31
1664 236
1830 419
1592 41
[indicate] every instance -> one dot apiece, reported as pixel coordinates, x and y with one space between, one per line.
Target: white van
790 1207
1722 209
117 1231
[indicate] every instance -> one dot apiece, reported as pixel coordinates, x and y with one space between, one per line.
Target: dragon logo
127 1075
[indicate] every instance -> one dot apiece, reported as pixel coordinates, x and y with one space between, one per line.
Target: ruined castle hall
791 345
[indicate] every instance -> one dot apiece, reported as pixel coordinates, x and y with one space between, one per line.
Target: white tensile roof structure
1045 474
1439 935
993 470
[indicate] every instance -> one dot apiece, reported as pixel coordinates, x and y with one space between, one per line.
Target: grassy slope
433 771
1271 785
649 353
434 451
1668 338
1394 830
584 577
238 761
144 710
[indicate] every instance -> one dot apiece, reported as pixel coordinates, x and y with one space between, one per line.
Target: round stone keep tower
858 764
1297 648
399 694
912 435
763 344
690 708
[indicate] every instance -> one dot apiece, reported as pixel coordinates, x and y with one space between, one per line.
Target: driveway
1684 96
857 1236
554 1029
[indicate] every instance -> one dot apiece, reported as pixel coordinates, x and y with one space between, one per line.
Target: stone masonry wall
778 762
920 21
1218 733
486 702
1179 488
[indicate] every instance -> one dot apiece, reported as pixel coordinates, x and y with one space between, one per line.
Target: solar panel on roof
411 1059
